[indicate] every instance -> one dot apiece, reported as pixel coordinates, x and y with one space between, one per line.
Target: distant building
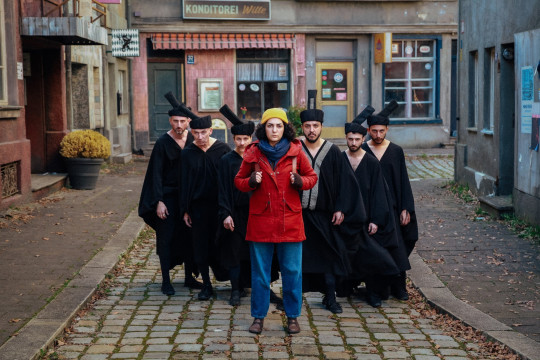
57 75
259 54
498 101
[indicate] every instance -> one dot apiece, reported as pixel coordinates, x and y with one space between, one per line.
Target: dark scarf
274 153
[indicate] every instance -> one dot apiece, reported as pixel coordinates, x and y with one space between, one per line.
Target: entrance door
335 96
35 114
162 78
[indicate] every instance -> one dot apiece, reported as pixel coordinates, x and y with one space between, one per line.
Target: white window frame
409 100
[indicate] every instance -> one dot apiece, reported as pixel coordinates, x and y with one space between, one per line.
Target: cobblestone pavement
430 167
135 321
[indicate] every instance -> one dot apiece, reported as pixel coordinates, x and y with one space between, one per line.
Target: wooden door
335 95
162 78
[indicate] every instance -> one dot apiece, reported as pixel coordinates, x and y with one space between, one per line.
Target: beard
354 148
314 140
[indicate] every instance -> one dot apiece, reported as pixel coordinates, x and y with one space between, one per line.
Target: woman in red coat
275 169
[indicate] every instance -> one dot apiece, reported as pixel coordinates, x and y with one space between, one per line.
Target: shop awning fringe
175 41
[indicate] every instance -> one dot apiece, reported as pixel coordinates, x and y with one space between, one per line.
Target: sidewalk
45 245
136 321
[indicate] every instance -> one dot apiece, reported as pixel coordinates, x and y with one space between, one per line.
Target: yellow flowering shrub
85 144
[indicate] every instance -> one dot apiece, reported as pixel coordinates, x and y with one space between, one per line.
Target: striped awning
174 41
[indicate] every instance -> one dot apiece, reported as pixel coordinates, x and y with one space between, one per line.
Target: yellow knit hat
274 113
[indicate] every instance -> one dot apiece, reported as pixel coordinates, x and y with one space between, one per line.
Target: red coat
275 209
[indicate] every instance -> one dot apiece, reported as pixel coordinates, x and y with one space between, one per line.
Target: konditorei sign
227 9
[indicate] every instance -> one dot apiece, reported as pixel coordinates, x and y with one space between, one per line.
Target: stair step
496 206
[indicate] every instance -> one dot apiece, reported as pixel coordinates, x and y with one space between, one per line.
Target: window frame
261 83
435 59
489 90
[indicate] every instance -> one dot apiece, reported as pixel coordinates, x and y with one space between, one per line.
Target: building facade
253 55
57 75
497 152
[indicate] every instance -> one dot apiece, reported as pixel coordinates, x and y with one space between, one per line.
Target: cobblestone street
135 321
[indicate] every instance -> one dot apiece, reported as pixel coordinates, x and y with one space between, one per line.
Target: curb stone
40 332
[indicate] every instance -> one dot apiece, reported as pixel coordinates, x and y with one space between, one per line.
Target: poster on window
334 84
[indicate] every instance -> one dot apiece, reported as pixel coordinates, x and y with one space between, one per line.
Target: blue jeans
290 265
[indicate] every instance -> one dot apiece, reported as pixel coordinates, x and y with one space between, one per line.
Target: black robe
396 176
199 198
162 183
233 249
325 249
375 255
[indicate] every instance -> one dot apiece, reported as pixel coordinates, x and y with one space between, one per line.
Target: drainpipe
69 90
134 147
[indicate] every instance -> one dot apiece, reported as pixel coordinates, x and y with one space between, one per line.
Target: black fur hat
382 117
239 127
204 122
356 125
178 108
312 115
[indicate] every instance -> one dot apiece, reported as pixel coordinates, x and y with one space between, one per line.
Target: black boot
331 304
235 298
398 288
167 288
192 283
206 292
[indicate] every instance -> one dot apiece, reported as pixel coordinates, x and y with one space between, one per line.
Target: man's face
241 141
179 123
274 129
354 141
312 130
202 136
378 133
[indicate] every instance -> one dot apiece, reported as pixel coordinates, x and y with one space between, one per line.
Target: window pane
424 48
276 95
334 49
421 110
397 70
398 95
248 72
276 71
399 112
422 70
397 49
249 96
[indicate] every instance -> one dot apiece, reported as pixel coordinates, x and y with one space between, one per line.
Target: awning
174 41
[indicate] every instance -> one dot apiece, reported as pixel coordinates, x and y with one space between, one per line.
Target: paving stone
275 355
131 341
155 341
125 356
156 355
427 357
217 347
135 334
100 349
94 357
419 351
245 356
386 336
107 340
452 352
304 349
131 348
245 347
189 347
331 340
357 341
396 355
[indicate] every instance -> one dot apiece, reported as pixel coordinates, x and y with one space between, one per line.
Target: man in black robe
332 200
392 160
233 214
159 204
373 263
199 198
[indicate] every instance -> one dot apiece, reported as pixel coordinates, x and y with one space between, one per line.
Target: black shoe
274 299
332 305
373 300
400 294
167 288
243 293
206 292
191 283
235 298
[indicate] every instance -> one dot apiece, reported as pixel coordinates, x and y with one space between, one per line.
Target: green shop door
162 78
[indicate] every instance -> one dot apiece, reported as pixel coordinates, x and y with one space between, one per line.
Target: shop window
263 81
3 72
411 79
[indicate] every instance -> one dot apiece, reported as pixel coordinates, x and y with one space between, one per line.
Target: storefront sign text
227 10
